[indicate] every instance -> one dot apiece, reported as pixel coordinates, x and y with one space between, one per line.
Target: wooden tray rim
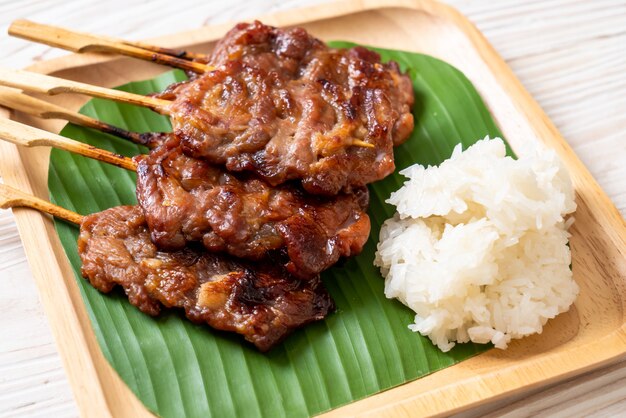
82 365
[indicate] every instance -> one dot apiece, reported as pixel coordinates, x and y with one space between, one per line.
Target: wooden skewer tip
359 143
13 198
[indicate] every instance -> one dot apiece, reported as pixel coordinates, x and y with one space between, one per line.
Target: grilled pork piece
186 199
261 301
285 106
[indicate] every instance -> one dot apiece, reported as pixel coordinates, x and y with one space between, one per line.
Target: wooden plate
591 334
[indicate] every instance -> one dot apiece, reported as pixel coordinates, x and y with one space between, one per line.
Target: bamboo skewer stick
17 100
20 134
11 198
84 42
360 143
40 83
178 53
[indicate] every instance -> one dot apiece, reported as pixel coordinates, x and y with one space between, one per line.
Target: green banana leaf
180 369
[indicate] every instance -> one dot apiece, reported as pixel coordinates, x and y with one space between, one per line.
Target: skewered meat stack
271 150
261 301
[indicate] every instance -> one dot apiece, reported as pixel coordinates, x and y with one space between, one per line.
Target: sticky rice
478 246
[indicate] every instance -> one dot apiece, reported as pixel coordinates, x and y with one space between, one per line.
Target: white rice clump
478 247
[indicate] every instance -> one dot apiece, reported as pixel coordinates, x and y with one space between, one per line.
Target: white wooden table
571 55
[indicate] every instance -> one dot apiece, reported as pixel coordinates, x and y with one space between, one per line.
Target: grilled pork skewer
185 200
39 83
84 42
261 302
285 106
13 98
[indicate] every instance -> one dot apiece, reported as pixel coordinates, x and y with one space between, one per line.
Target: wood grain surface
569 55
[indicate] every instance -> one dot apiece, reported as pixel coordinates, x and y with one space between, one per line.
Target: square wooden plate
589 335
